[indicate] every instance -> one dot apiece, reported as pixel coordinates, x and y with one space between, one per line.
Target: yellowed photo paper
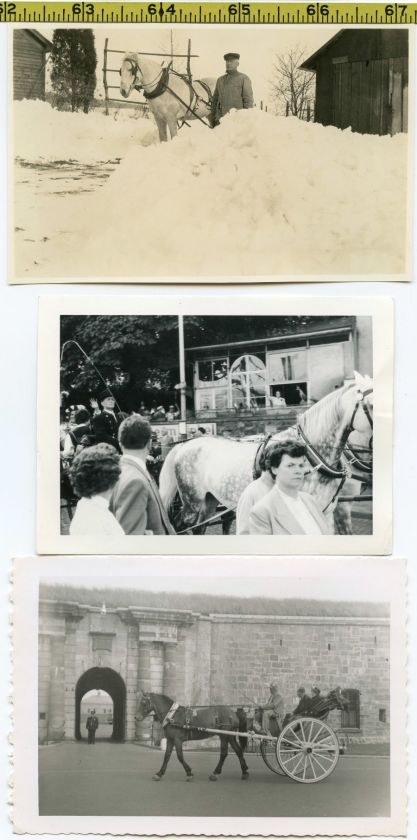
163 425
276 153
224 695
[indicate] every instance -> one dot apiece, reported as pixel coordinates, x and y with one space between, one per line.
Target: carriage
306 749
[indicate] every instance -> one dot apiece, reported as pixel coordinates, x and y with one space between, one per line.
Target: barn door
341 93
398 94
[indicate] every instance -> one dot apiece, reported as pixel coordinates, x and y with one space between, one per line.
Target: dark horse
185 726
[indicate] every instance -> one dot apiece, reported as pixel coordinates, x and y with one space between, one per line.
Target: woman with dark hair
286 509
94 473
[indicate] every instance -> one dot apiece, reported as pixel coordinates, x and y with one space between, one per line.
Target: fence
141 105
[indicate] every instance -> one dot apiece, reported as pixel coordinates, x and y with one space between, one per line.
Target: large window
248 382
212 372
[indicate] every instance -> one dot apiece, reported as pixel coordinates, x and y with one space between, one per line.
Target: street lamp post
182 385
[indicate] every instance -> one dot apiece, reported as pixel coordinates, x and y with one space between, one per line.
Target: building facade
30 51
362 80
202 660
285 368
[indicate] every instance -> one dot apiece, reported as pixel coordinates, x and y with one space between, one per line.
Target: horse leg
162 128
227 521
223 755
208 509
173 128
342 518
180 756
234 743
169 747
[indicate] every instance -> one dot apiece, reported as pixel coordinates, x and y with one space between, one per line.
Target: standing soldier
233 90
92 726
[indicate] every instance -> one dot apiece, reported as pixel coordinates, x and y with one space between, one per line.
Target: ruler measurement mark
211 13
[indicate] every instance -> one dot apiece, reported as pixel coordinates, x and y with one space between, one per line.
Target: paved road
115 779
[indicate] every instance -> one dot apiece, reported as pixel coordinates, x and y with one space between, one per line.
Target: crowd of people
112 461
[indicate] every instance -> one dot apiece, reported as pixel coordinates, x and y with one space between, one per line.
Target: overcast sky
257 47
337 588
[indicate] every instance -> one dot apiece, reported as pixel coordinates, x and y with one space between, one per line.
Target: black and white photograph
276 691
209 152
214 427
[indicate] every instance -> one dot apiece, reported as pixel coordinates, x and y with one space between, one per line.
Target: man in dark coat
233 90
92 726
304 701
106 423
135 500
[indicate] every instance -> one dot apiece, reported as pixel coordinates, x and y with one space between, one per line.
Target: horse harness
163 86
337 471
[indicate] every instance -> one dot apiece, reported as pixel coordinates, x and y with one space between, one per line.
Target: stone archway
110 681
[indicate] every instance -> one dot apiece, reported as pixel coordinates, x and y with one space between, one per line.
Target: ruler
220 13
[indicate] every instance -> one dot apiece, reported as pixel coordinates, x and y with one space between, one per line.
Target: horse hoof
190 778
213 777
156 778
245 776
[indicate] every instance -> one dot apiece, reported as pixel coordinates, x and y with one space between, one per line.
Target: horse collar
161 86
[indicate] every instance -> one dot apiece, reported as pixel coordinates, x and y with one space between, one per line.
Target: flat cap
231 55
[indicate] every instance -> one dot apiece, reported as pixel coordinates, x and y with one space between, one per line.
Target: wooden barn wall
28 66
362 82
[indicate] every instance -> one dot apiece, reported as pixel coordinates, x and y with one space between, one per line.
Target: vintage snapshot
278 152
162 422
277 690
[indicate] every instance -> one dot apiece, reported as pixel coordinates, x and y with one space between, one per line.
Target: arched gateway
112 683
201 660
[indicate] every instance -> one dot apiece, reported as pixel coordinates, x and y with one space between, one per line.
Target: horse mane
326 412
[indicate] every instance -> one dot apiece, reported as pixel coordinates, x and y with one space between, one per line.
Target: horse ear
359 379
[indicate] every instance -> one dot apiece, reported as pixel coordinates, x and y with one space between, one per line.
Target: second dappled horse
212 470
172 97
183 724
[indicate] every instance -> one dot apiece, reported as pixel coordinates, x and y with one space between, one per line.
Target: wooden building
362 80
298 365
30 50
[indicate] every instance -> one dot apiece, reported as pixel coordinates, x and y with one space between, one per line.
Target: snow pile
258 195
44 134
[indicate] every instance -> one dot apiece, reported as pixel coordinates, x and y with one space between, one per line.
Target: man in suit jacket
106 423
136 502
286 509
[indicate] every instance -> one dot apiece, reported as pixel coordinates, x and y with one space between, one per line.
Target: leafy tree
74 62
137 355
292 88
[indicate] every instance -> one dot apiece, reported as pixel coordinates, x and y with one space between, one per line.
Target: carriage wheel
268 750
307 750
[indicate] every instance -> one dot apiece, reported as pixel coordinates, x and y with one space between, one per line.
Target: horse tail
168 485
243 727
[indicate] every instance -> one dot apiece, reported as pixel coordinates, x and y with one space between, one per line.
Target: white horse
212 470
171 97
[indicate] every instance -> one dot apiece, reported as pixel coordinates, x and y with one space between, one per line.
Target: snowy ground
259 195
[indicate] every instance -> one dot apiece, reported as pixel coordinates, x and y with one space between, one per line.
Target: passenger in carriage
274 708
304 703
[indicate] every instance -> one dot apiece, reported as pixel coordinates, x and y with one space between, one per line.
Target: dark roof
310 63
46 44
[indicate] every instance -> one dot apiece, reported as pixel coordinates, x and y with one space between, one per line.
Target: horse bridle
135 67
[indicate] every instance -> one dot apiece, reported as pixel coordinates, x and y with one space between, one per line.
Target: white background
18 334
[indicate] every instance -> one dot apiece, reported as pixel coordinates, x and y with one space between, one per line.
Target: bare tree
173 44
292 88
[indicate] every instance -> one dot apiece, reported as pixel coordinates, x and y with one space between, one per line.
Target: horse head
336 700
145 707
130 74
360 407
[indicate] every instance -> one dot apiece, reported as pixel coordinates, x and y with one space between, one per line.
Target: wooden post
106 88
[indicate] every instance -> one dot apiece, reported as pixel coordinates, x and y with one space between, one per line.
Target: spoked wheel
307 750
268 750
